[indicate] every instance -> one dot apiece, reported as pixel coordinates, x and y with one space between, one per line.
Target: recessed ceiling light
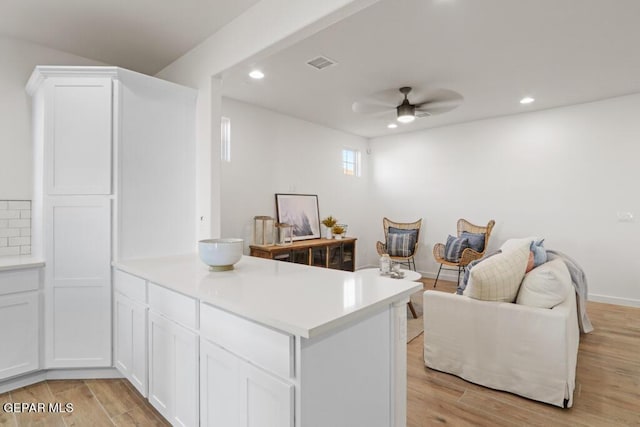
526 100
256 74
392 125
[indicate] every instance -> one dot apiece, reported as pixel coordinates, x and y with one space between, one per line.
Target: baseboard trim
629 302
57 374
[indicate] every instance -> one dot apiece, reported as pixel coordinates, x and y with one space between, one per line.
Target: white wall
274 153
562 174
18 60
281 23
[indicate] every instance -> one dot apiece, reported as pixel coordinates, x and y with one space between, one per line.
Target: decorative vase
329 234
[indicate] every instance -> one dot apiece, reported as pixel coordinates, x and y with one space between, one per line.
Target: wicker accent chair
381 247
468 254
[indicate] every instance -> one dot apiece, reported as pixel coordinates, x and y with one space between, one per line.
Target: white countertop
297 299
20 262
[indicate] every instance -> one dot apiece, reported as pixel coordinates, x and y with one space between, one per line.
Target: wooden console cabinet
339 254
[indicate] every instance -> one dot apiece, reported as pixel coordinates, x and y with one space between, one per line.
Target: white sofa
525 350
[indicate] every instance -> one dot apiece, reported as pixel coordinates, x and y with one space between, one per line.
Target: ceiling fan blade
435 95
442 101
421 114
371 107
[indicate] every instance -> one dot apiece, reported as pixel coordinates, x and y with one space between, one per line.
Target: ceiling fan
424 103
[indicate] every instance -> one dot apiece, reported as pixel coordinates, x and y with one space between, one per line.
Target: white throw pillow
498 278
545 286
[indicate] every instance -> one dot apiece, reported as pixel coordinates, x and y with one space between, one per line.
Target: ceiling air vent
321 62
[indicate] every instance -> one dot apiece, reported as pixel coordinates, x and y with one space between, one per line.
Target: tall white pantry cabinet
114 178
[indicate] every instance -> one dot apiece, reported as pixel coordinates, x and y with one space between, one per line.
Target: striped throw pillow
454 247
400 244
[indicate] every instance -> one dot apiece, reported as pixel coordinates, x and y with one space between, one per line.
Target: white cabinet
20 317
130 341
173 370
77 137
77 281
173 355
235 393
105 140
130 329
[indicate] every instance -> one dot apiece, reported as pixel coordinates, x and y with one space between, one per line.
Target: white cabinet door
267 400
78 282
19 314
173 371
235 393
130 341
220 381
78 128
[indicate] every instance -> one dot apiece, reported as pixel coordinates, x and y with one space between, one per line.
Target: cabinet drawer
19 281
130 286
177 307
263 346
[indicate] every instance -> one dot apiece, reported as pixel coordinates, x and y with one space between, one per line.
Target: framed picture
300 211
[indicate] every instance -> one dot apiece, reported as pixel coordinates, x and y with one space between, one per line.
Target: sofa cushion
476 240
498 278
454 248
545 286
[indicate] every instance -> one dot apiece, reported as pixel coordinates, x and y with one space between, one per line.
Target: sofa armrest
526 350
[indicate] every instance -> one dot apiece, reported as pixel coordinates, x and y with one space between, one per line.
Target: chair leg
436 282
413 310
458 276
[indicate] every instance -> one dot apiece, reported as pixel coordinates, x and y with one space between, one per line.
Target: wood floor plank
36 393
87 411
60 386
114 396
139 416
7 419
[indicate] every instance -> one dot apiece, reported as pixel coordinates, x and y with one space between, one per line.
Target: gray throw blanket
580 284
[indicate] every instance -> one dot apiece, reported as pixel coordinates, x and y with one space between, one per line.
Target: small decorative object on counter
220 254
385 264
329 222
263 230
338 231
285 233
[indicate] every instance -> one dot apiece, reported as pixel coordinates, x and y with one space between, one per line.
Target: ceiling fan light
406 119
406 112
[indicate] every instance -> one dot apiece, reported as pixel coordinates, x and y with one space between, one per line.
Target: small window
225 139
351 162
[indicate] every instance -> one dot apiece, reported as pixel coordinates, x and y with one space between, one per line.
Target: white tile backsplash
15 227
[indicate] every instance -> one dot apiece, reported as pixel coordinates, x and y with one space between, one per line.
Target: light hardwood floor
110 402
607 389
607 382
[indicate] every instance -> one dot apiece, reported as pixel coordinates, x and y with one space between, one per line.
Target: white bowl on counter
220 254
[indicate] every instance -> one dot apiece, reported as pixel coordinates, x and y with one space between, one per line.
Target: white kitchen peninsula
278 344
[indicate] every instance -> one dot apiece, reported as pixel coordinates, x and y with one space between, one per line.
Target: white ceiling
493 52
141 35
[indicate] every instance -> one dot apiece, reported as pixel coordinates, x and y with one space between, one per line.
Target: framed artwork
301 212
